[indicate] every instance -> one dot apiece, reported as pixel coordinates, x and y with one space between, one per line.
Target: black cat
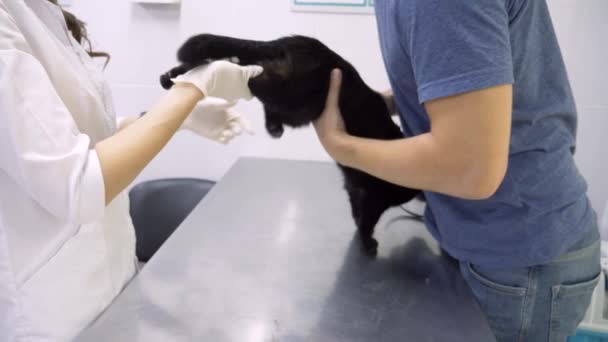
293 89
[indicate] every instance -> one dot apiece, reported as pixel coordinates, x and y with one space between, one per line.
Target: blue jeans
539 303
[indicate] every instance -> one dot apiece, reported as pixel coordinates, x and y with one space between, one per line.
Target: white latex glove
213 118
222 79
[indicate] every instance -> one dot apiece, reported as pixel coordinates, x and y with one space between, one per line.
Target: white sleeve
41 148
10 324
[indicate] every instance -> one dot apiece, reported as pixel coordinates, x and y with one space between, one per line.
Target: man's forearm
420 162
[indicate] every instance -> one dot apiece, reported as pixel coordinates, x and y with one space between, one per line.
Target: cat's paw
165 80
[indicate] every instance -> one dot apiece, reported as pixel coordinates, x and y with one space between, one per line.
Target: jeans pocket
503 305
568 306
495 286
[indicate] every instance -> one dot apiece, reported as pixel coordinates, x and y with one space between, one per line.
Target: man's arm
464 155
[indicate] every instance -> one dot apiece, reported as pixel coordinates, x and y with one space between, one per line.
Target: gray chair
158 207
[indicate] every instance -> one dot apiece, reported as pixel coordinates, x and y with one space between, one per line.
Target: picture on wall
334 6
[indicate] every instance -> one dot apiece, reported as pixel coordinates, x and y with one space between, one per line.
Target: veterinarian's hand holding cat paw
215 119
330 125
222 79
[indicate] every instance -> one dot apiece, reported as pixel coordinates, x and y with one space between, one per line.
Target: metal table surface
270 255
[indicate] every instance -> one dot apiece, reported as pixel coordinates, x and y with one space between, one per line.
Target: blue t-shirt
438 48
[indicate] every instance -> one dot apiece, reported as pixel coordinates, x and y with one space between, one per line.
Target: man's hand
330 125
389 99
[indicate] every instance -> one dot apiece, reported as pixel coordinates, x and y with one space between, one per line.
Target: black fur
293 89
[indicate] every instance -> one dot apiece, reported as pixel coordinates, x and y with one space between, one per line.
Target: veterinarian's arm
125 122
464 155
124 155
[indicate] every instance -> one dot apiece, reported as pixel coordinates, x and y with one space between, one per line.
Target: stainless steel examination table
270 254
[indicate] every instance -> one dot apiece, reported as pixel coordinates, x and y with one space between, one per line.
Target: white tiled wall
143 40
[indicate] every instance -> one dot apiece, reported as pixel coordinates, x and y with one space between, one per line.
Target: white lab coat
64 255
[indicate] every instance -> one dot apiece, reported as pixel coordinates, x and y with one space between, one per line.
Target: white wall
143 41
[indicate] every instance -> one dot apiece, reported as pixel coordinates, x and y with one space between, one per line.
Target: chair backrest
158 207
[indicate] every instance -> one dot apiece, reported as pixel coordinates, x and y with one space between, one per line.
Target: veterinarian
67 245
490 120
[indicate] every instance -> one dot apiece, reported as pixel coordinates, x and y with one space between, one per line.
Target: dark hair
79 31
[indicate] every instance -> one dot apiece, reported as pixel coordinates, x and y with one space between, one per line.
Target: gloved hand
222 79
213 118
